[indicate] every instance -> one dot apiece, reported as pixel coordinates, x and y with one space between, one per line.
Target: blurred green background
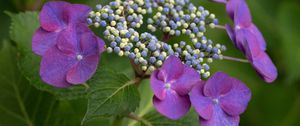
276 104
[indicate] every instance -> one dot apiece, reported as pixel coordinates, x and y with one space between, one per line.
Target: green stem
235 59
139 119
22 106
220 27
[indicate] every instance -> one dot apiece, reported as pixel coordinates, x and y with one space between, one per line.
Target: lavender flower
69 49
220 100
73 60
249 40
171 85
55 19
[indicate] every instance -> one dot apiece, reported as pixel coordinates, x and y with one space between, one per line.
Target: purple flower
73 60
55 19
171 85
239 12
249 39
220 100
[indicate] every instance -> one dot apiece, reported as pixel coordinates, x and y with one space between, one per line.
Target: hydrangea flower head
55 19
220 100
73 60
171 85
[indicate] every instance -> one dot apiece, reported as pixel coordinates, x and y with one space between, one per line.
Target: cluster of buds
121 19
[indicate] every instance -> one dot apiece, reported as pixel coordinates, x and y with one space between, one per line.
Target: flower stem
139 119
220 27
137 70
235 59
166 37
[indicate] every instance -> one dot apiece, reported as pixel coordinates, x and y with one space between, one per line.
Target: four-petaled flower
247 38
220 100
55 19
171 85
73 60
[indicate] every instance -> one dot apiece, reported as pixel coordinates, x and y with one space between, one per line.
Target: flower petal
186 81
52 16
236 100
242 15
173 106
258 35
172 69
203 105
219 84
219 118
83 70
265 67
101 45
43 40
259 58
231 33
54 67
68 42
77 13
158 86
231 7
89 44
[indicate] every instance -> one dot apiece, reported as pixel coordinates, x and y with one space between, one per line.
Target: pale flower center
215 101
237 27
79 57
168 86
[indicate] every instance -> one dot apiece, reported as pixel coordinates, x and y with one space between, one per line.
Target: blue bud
152 60
182 43
215 50
205 66
136 39
178 50
198 67
127 48
202 29
128 35
113 44
98 7
177 33
216 21
201 54
105 15
131 55
188 63
166 10
216 56
198 45
103 23
161 57
89 21
144 53
117 49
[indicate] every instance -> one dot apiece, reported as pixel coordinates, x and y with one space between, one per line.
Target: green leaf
290 29
153 118
22 27
111 94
